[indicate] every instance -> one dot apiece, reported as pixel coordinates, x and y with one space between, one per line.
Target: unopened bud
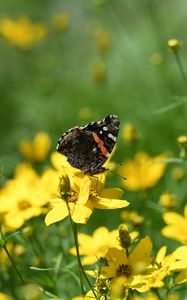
182 141
124 237
174 44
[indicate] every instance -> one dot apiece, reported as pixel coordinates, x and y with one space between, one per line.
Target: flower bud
124 237
182 141
168 200
174 44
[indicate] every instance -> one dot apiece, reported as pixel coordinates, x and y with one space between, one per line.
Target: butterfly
87 148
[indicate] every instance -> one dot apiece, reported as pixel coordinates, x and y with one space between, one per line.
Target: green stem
77 251
157 293
13 264
78 255
81 270
180 66
127 252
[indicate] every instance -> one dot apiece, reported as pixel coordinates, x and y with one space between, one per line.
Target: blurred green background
97 57
66 79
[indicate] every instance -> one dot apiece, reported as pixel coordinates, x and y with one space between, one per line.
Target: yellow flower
99 72
168 200
164 265
132 217
80 194
24 196
159 270
95 246
32 291
61 20
182 141
178 173
37 149
85 113
129 133
22 33
129 268
4 297
174 44
103 39
143 172
156 58
176 226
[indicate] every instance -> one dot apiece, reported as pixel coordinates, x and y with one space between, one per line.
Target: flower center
124 270
23 204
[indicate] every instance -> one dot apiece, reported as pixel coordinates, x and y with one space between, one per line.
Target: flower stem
81 269
77 251
157 294
13 264
180 66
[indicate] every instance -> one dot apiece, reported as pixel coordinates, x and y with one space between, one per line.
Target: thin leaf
170 106
11 235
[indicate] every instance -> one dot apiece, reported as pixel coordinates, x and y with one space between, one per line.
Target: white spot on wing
111 136
105 128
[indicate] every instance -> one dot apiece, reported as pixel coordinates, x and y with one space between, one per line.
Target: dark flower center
124 270
23 204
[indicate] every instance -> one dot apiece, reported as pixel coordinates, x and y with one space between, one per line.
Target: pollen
124 270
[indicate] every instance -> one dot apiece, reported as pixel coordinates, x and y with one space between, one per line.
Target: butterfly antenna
124 178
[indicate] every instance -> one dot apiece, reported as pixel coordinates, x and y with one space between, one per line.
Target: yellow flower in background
129 268
61 20
164 265
37 149
132 217
25 196
176 226
156 58
159 270
85 113
168 200
95 246
21 32
103 39
80 194
4 297
129 133
99 72
143 172
178 173
174 44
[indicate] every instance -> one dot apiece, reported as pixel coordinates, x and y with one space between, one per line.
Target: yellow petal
172 218
142 252
114 193
180 256
181 278
105 203
81 214
161 254
57 213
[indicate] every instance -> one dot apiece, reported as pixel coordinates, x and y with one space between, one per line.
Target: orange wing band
100 144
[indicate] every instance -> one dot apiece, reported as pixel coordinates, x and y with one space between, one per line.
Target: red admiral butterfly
88 147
